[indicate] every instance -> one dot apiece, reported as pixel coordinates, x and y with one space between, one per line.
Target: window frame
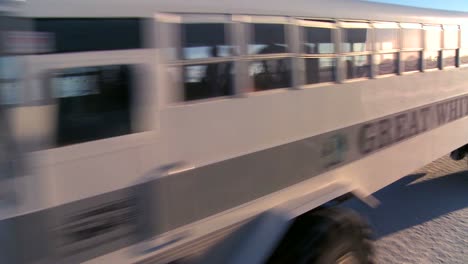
245 59
144 104
133 89
178 64
446 28
141 39
395 51
240 35
343 25
420 50
426 51
302 56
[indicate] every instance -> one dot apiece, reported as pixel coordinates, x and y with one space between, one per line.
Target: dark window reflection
431 60
449 58
200 41
411 61
355 40
318 40
79 34
387 63
268 39
93 103
271 74
208 80
320 70
357 67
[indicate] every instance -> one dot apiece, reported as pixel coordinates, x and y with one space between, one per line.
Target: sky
458 5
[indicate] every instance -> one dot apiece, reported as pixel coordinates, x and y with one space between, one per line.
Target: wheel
459 153
326 236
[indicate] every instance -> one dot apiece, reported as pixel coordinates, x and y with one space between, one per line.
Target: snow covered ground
423 218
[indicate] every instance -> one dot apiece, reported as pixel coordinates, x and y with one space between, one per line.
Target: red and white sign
27 42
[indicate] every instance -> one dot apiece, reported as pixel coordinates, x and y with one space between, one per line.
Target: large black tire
459 153
325 236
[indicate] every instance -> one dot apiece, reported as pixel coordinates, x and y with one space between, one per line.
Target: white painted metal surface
206 132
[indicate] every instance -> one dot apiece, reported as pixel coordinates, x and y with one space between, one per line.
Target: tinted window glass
357 67
320 70
208 80
387 63
411 61
318 40
356 39
271 74
93 103
201 41
431 60
267 39
449 58
74 35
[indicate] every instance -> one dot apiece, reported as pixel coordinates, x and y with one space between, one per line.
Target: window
207 63
270 67
450 58
76 34
268 39
10 71
412 38
433 39
357 67
318 40
433 45
387 63
208 80
451 37
201 41
319 70
357 40
411 61
93 103
386 43
386 39
271 74
319 53
431 59
412 47
451 42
